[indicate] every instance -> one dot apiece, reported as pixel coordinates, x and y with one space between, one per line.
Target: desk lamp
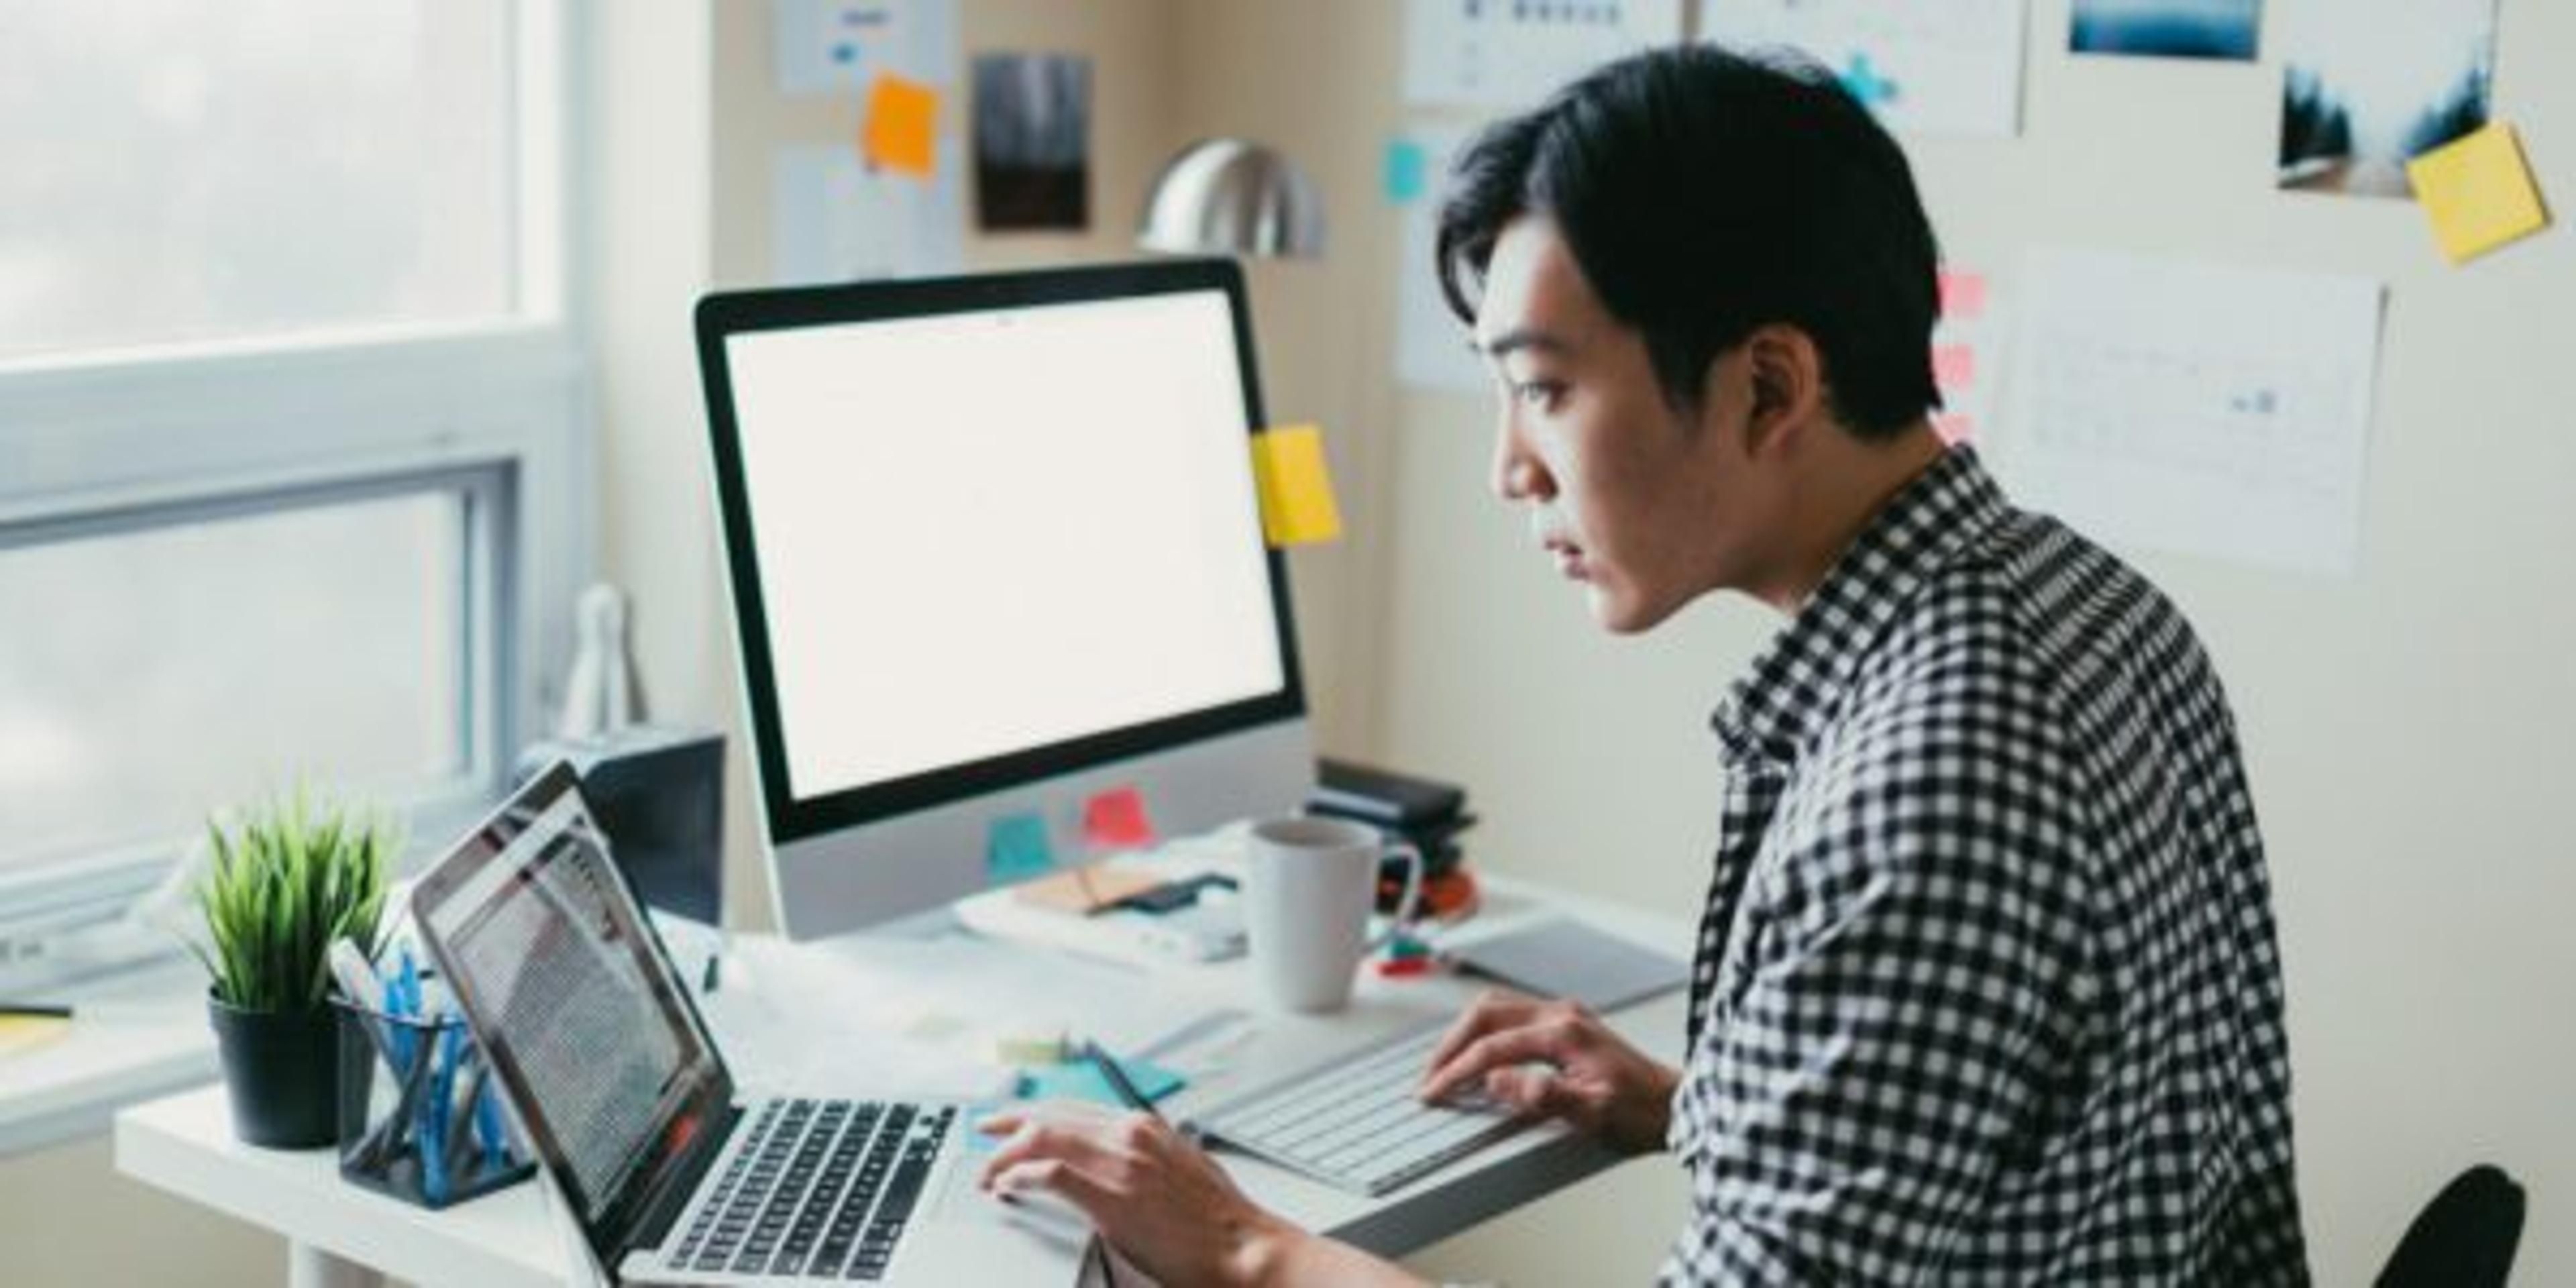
1233 197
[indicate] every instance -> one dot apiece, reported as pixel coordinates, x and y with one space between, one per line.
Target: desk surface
184 1143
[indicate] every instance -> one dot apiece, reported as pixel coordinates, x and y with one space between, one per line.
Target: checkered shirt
1987 988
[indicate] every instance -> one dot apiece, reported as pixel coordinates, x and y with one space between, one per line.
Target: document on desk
889 1016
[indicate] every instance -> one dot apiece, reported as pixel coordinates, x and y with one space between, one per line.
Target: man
1987 988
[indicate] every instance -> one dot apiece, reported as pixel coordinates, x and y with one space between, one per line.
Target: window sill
148 1038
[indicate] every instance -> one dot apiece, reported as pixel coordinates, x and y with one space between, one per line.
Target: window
294 469
184 170
330 636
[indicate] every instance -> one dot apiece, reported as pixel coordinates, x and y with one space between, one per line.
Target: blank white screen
985 532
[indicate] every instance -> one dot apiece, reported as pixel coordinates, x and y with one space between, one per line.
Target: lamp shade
1231 197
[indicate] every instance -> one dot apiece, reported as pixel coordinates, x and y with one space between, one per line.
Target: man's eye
1541 394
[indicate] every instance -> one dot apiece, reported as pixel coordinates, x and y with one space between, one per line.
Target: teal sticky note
1082 1080
1404 171
1016 849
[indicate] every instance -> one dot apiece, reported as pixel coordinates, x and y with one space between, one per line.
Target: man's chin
1620 615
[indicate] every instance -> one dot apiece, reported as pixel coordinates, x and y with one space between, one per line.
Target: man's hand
1163 1203
1583 1072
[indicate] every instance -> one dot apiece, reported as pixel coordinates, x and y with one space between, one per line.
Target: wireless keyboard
1355 1124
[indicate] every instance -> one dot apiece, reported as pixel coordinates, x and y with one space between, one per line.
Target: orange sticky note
902 117
1297 506
1954 366
2478 192
1115 820
1963 295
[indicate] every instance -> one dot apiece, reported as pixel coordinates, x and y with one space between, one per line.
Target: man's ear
1786 375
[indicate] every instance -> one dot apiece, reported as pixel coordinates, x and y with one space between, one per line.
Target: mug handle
1409 904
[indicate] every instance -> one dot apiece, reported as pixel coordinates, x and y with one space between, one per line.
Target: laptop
671 1177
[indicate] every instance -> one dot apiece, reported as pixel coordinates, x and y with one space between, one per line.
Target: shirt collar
1795 685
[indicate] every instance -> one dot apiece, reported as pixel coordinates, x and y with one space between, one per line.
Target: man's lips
1568 556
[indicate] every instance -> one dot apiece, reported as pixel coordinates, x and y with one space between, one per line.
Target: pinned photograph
1032 142
2364 94
2215 29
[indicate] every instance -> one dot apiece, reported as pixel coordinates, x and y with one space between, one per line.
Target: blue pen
402 1000
408 976
488 1135
434 1113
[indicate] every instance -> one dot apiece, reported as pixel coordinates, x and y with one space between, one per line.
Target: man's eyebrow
1521 338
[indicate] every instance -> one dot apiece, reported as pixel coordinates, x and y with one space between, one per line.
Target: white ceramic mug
1311 883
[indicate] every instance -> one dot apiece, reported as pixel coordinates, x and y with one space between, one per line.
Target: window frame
103 441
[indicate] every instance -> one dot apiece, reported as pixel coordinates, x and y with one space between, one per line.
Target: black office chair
2464 1238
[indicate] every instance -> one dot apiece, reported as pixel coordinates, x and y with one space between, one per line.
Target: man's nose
1516 473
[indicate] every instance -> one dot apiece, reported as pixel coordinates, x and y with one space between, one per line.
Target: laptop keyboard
820 1189
1357 1124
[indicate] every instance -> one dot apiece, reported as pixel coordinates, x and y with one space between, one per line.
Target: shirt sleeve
1915 977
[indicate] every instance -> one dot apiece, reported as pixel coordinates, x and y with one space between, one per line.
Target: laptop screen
585 1021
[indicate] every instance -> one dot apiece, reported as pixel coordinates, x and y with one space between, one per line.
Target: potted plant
288 878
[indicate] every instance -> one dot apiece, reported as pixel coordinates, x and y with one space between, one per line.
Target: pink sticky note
1954 427
1963 295
1115 820
1954 366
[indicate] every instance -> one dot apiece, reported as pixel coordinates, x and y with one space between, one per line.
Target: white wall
649 229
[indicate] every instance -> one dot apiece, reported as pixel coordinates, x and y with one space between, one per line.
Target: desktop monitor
996 558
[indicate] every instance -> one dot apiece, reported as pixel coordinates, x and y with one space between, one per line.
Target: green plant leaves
291 877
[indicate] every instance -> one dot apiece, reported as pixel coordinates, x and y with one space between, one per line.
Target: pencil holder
420 1114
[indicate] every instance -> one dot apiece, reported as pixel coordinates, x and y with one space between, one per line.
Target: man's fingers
1538 1093
1493 1009
1493 1051
1062 1179
1037 1140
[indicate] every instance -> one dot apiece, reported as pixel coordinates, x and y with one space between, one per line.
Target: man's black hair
1705 193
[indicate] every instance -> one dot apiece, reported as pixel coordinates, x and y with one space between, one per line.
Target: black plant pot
281 1069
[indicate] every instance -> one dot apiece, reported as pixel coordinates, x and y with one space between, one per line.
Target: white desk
342 1234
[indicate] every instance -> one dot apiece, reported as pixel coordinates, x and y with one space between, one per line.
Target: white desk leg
311 1267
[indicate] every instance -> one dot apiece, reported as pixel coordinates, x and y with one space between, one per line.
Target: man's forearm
1283 1256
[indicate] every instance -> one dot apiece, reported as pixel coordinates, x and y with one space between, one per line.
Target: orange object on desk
1449 897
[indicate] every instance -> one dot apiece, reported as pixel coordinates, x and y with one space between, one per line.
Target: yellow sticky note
27 1032
2478 192
902 116
1297 505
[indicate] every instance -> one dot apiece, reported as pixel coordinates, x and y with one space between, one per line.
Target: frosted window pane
197 169
148 676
